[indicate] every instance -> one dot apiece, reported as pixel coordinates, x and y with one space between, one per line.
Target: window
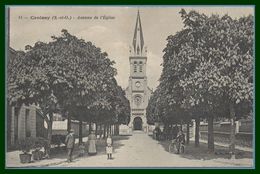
27 123
138 100
140 66
135 66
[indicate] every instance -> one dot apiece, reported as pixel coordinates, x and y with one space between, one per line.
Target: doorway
138 123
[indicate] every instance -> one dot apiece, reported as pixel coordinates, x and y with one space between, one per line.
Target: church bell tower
138 92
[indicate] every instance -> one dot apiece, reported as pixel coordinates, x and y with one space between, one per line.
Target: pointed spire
138 40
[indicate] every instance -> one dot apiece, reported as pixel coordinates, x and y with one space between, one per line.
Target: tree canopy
206 66
67 75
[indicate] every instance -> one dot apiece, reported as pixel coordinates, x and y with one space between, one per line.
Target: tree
152 110
118 111
207 66
14 66
61 75
224 64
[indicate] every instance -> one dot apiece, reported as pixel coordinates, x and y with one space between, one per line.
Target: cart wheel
172 147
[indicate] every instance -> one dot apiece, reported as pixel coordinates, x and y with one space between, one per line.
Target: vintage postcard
130 86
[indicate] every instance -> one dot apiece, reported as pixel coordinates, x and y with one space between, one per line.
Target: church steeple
138 40
137 91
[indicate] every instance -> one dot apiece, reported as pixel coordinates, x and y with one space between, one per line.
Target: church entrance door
138 123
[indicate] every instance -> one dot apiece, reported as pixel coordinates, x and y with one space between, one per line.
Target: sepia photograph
133 86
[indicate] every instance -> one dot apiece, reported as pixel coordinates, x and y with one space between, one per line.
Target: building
22 121
137 92
60 126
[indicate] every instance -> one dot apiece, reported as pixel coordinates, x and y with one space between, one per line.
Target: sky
114 35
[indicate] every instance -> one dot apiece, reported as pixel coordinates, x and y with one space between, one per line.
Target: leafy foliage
67 75
206 67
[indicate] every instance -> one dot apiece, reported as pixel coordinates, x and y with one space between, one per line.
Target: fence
244 132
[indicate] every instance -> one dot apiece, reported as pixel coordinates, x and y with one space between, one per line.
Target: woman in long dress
92 143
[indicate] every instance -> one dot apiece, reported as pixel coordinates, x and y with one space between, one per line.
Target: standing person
180 141
109 147
92 143
157 132
81 150
70 142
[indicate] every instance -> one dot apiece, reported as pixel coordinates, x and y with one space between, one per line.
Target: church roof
138 40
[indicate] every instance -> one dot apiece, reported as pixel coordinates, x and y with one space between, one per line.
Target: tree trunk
188 133
210 133
49 134
105 131
69 123
101 130
115 131
232 130
80 131
110 129
89 127
197 132
96 131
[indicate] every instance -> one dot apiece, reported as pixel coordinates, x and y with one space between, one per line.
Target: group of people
174 133
92 150
168 133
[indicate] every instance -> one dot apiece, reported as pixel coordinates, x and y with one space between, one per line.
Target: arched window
140 66
135 66
138 100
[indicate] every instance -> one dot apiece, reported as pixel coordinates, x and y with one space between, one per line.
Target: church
138 92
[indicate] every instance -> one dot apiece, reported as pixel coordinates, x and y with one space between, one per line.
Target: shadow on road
202 152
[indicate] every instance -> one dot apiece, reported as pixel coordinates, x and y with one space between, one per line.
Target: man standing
70 141
180 141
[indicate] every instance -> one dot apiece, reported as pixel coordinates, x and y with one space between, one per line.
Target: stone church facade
138 92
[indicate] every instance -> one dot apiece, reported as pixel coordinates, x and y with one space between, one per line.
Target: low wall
242 126
242 139
244 132
246 126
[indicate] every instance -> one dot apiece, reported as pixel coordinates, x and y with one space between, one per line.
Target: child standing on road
109 148
81 150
